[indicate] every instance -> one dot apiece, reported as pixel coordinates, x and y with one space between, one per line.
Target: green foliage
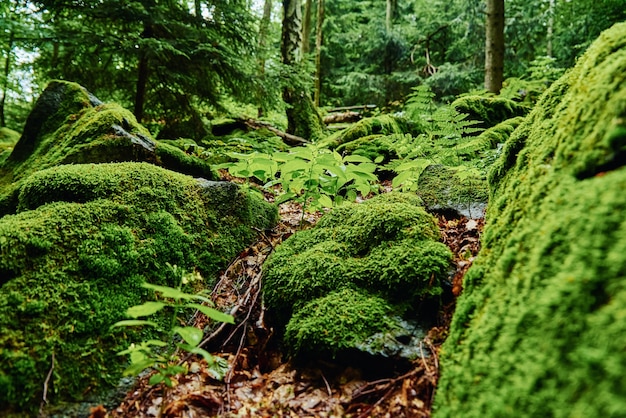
160 355
386 247
537 331
190 60
314 176
84 239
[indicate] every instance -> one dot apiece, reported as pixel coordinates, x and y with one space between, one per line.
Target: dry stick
44 399
330 392
378 402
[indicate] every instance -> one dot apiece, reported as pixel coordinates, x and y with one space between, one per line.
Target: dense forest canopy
179 63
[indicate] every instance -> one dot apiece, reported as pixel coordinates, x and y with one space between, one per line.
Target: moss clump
74 256
539 330
387 245
340 320
489 110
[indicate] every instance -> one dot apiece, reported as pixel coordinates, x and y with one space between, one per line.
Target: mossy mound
74 256
539 329
490 111
68 125
387 245
369 127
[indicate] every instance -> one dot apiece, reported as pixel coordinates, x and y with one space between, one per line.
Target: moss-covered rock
68 125
74 256
368 127
387 245
490 111
539 330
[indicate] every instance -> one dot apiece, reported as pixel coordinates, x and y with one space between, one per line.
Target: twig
44 399
330 392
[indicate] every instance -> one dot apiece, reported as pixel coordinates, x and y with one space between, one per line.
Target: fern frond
419 104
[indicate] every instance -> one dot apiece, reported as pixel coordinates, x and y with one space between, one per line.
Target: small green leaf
145 309
168 292
354 158
213 313
191 335
133 323
135 368
326 201
156 379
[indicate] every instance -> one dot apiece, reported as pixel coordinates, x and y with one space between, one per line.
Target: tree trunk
319 38
5 80
263 29
291 39
303 120
391 10
306 28
494 46
550 30
142 77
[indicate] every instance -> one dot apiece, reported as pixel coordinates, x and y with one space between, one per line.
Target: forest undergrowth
262 382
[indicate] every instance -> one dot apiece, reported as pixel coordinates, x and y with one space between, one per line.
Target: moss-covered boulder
383 253
74 255
539 329
490 111
68 125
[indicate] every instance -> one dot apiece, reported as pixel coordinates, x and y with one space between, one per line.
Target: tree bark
319 39
550 29
291 39
306 27
263 29
303 119
494 46
391 9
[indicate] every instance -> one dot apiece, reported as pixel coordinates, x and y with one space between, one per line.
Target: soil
261 382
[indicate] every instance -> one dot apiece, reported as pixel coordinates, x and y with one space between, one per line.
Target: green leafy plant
445 129
312 175
161 355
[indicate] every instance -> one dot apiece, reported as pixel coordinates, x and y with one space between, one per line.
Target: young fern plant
161 355
444 128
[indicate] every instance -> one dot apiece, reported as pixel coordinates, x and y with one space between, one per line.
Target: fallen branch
44 399
345 117
358 107
288 138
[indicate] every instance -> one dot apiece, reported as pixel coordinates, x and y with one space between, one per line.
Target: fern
445 130
419 104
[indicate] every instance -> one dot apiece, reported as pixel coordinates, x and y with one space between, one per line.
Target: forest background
181 64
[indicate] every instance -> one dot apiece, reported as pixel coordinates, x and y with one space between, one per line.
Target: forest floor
260 382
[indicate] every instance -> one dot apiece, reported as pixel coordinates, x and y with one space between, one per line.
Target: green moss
489 110
387 245
539 330
378 125
8 139
74 256
70 126
338 321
